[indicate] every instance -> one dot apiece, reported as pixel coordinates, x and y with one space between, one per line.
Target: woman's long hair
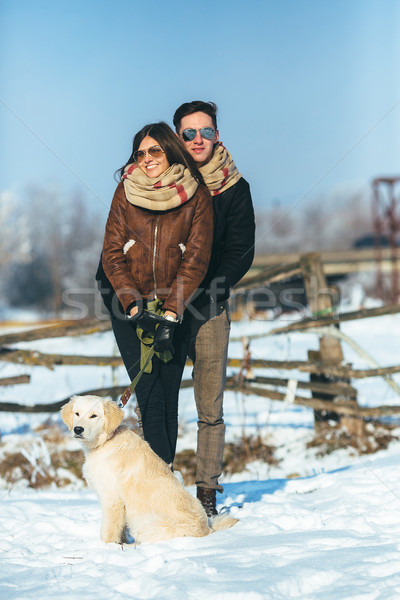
174 149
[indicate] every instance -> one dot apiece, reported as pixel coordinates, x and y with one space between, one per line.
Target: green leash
131 387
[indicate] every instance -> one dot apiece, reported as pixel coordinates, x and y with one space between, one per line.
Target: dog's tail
223 521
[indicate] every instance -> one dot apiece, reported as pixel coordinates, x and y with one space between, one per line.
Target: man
231 257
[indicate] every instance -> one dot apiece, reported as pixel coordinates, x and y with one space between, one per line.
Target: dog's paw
222 521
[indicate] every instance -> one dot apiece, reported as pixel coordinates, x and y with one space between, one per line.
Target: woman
156 251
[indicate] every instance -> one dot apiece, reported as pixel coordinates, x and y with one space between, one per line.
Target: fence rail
337 262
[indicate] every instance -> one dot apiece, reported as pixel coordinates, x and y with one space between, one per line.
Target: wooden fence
330 378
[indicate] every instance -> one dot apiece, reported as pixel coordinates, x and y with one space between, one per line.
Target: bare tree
326 222
62 241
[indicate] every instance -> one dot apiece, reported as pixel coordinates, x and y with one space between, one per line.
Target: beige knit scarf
220 173
175 187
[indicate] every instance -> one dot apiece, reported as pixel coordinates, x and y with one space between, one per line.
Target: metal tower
386 215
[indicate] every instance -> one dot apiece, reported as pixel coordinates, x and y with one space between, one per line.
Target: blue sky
308 90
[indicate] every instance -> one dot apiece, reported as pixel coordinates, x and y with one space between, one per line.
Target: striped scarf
220 173
175 187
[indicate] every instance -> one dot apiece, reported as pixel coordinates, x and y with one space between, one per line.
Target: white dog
136 487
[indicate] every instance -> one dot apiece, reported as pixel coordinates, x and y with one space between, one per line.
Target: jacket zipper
154 256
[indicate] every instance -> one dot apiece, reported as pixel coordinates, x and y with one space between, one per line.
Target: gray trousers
209 353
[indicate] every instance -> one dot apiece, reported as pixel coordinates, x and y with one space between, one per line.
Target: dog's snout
78 430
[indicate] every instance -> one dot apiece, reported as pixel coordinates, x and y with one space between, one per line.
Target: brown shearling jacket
148 254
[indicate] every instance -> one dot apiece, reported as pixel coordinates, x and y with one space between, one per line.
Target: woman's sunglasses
153 151
206 132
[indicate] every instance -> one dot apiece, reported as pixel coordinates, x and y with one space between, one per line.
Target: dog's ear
113 415
66 413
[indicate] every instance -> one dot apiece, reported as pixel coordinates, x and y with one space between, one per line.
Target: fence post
321 300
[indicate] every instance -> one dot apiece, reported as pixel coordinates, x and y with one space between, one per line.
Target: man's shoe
208 500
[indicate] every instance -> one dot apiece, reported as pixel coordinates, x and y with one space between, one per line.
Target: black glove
163 336
143 318
146 321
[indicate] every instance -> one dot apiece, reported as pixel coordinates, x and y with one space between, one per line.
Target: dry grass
334 437
46 457
41 460
185 462
236 457
248 449
15 467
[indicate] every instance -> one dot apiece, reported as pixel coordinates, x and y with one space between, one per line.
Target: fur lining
128 245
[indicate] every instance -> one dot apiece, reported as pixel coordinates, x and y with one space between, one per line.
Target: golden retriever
136 487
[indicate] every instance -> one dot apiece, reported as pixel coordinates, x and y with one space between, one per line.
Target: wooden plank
341 408
333 389
345 268
319 299
71 328
316 367
327 256
33 357
363 313
17 380
268 276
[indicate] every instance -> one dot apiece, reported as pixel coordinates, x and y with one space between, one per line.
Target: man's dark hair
188 108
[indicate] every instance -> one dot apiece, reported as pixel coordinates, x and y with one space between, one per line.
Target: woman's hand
134 311
167 313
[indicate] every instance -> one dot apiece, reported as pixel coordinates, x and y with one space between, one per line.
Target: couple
179 235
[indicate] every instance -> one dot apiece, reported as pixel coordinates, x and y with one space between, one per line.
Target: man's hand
169 313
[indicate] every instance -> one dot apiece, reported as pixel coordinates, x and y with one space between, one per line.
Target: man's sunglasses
206 132
153 151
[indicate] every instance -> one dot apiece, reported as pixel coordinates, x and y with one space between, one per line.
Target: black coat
233 244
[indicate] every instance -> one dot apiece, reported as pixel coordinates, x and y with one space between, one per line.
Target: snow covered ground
332 532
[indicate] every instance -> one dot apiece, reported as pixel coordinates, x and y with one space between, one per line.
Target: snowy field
310 528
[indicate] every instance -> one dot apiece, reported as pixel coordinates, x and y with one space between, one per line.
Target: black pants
156 392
